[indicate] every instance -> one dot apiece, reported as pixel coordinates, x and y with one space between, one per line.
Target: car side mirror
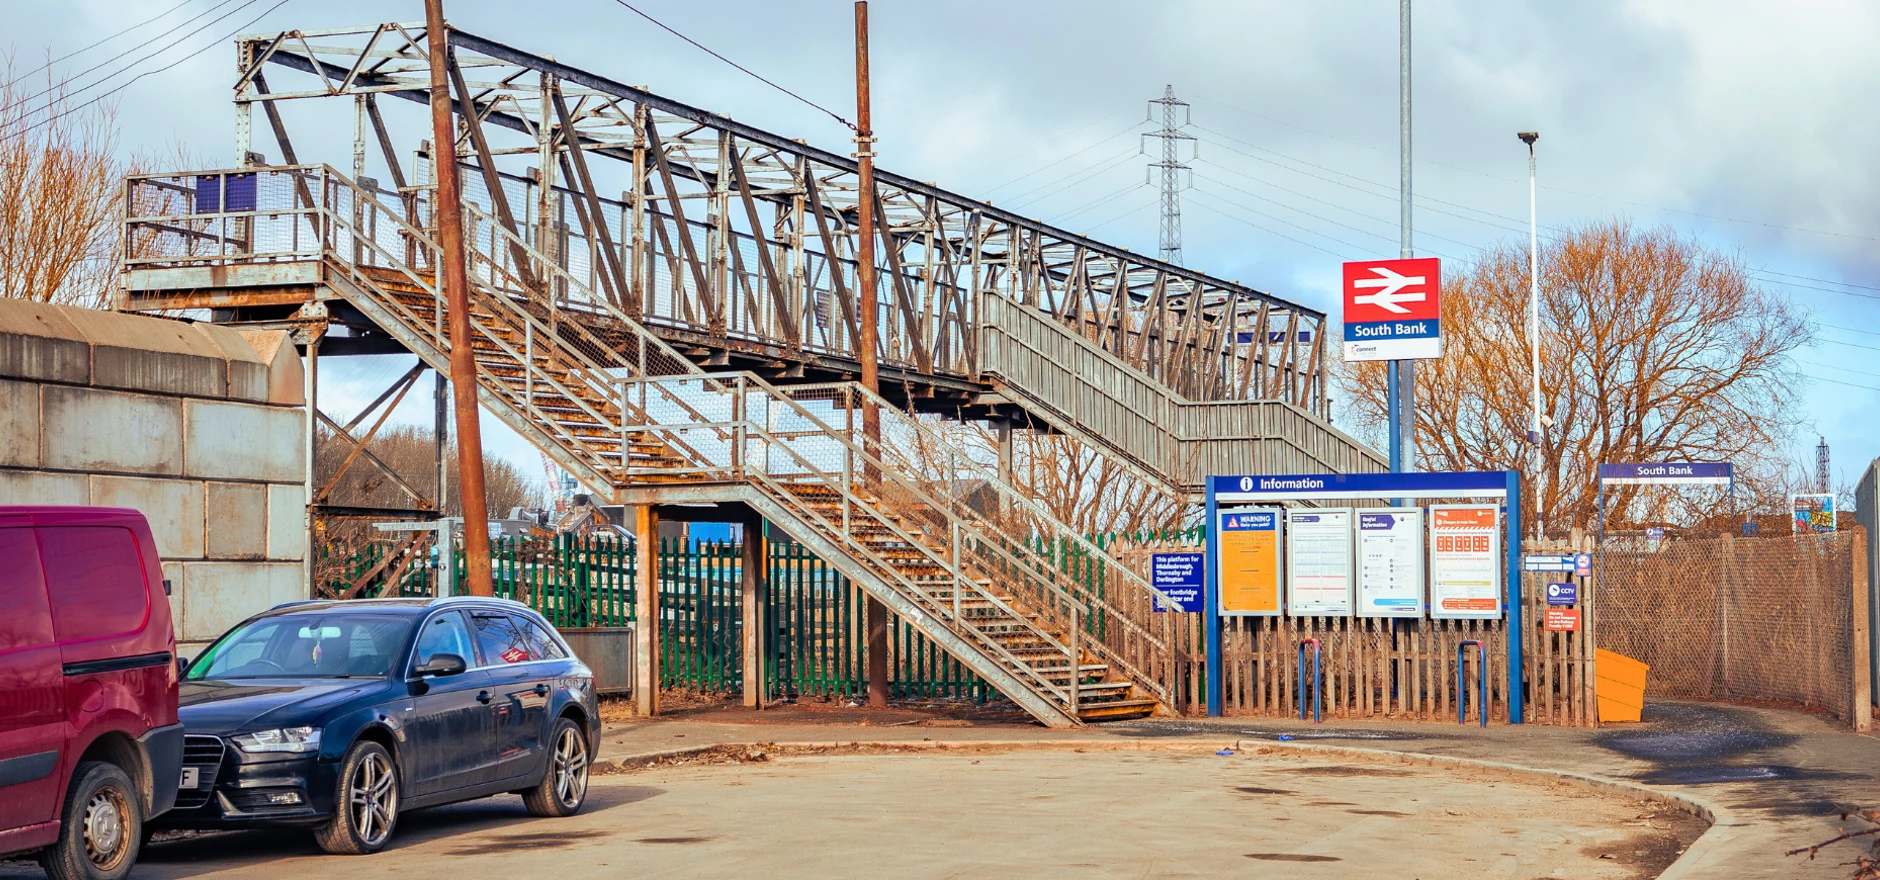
182 666
443 664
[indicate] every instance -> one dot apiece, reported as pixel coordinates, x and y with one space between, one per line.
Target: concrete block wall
199 427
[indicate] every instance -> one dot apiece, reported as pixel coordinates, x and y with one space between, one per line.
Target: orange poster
1249 568
1465 561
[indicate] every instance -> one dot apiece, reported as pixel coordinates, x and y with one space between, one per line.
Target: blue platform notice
1179 576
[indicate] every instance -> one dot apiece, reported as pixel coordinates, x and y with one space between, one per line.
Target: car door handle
541 690
483 697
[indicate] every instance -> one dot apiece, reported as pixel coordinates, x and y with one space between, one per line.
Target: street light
1534 331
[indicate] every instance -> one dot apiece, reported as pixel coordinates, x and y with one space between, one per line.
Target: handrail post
626 446
1318 675
1076 663
959 582
1462 687
737 433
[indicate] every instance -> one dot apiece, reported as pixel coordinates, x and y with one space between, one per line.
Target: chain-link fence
1767 620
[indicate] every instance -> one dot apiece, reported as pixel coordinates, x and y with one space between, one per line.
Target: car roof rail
298 602
494 600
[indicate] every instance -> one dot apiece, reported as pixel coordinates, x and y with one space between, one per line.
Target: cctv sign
1393 310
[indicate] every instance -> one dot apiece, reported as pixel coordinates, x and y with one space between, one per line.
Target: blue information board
1563 594
1179 576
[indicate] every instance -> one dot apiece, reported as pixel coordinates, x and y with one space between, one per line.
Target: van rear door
32 688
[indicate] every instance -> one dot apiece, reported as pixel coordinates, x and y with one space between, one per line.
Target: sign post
1393 312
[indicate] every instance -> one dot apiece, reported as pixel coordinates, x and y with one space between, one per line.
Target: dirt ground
796 812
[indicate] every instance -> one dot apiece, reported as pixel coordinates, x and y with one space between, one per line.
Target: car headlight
284 739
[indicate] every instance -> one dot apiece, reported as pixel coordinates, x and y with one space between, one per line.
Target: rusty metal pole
876 615
463 368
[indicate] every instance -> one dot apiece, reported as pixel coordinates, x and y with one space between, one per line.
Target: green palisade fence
813 619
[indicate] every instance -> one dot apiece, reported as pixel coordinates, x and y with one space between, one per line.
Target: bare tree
1654 347
411 453
60 178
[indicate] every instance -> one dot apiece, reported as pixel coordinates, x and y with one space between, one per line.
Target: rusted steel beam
463 370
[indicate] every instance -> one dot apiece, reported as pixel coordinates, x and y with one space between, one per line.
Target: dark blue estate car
337 716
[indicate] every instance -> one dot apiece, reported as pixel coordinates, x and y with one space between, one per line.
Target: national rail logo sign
1393 310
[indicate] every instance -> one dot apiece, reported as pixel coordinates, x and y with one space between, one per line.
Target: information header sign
1179 576
1465 561
1318 554
1279 487
1672 473
1393 309
1390 562
1248 571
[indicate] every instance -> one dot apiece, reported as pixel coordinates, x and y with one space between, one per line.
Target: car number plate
191 777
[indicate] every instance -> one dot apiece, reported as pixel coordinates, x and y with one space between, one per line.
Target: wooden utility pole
463 368
876 614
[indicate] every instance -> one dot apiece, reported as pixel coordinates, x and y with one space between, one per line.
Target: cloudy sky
1745 123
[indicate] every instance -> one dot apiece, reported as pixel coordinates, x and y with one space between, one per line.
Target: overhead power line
753 74
77 52
1558 189
1061 160
120 56
133 80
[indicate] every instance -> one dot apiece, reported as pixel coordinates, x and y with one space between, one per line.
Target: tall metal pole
463 368
1534 333
876 614
1403 377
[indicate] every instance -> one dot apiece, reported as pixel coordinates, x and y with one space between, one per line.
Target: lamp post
1534 330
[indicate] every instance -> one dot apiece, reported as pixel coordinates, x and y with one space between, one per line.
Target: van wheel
101 829
563 788
365 804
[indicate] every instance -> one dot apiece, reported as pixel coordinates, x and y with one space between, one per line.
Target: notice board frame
1249 489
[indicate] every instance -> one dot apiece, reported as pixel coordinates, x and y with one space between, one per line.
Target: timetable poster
1249 566
1390 562
1465 561
1318 555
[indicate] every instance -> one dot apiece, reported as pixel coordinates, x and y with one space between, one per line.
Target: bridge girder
741 237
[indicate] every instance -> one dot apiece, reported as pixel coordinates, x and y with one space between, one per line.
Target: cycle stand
1318 679
1462 685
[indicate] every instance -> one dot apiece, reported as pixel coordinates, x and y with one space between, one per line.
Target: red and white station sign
1393 309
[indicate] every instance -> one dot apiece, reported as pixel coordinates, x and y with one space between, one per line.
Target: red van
89 742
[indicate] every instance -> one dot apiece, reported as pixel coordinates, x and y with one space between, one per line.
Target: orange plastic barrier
1619 683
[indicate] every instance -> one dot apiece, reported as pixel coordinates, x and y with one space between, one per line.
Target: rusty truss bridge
664 301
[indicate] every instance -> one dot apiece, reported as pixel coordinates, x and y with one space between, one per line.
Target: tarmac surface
988 796
997 814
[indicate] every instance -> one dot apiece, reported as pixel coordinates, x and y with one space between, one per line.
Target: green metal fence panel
812 621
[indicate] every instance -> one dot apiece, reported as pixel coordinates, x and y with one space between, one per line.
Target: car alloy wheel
372 798
106 842
571 767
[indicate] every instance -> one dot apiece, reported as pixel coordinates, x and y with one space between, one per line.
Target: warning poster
1465 561
1250 561
1318 554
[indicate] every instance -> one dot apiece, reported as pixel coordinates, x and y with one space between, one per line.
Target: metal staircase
883 495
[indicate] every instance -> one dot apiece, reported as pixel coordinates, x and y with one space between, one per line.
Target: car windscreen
310 645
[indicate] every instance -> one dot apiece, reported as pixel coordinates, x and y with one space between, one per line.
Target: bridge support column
755 573
646 610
